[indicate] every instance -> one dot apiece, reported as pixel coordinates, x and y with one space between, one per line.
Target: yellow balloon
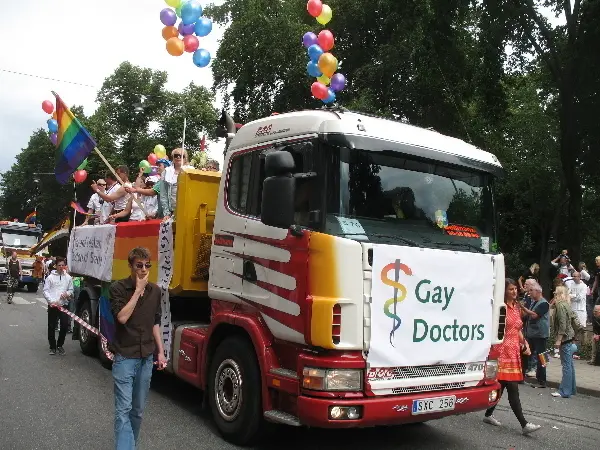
326 15
173 3
328 64
160 151
324 79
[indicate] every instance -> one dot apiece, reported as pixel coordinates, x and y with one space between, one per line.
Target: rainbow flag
135 234
31 217
107 321
73 145
77 207
59 231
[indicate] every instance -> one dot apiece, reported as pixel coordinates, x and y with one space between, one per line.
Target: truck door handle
249 271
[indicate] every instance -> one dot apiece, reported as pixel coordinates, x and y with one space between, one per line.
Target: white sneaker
530 428
556 394
492 421
530 374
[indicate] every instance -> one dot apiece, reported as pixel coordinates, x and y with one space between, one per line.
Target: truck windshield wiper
461 244
385 236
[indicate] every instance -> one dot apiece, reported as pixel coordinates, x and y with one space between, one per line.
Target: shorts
12 282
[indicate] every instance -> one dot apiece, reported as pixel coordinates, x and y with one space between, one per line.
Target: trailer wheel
87 341
234 391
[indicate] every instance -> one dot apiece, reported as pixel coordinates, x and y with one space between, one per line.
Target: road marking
45 307
42 300
20 301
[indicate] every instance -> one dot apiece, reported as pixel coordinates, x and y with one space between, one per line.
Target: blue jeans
567 384
132 382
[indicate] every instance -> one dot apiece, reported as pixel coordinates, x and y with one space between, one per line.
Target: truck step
282 417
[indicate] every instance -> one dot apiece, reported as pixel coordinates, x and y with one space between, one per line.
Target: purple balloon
338 82
186 30
54 138
168 17
309 39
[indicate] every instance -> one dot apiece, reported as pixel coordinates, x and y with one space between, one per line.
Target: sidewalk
586 376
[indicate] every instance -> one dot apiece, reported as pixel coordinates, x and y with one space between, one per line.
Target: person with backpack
565 324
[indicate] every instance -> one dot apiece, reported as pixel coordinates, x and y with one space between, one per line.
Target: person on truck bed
95 205
153 192
136 307
168 188
133 210
116 195
509 361
15 271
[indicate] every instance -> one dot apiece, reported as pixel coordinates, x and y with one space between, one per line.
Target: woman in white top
116 193
168 188
133 211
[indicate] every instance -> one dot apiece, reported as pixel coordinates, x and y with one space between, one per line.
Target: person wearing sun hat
154 191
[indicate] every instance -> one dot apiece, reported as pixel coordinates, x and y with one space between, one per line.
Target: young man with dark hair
136 307
15 271
58 290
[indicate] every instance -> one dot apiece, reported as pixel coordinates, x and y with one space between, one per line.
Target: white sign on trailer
91 251
430 307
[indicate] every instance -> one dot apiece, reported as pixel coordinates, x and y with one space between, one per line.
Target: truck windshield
19 239
387 197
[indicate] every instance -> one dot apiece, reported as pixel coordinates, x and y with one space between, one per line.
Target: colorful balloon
169 32
54 138
338 82
330 97
203 27
185 30
325 16
319 90
173 3
154 171
52 125
152 158
191 12
201 58
168 17
145 165
160 151
79 176
309 39
48 106
314 53
314 7
175 46
324 79
328 64
178 8
83 165
326 40
191 43
313 70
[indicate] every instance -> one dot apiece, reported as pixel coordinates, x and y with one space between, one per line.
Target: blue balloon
52 125
330 98
313 70
191 12
201 57
203 27
314 53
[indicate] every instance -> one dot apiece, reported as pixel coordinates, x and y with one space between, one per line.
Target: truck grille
429 388
400 373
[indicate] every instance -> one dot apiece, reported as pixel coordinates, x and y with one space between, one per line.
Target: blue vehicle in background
19 237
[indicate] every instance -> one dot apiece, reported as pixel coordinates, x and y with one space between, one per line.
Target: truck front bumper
391 410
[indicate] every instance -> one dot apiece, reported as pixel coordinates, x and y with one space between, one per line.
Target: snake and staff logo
390 307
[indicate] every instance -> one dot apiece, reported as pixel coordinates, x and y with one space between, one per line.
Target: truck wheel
234 391
32 287
87 341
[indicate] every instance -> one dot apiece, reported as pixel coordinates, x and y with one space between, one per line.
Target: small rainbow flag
73 145
31 217
544 358
77 207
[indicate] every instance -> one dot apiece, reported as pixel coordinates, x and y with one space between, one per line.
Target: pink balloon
48 107
152 158
326 40
314 7
191 43
79 176
319 90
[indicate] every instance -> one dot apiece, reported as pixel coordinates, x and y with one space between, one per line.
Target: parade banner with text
91 251
430 307
165 273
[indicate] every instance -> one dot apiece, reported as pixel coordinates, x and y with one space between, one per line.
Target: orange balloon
175 46
169 32
328 64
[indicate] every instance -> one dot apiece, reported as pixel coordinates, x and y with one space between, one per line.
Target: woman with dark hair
509 359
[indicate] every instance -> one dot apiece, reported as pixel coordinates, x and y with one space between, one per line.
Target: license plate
435 404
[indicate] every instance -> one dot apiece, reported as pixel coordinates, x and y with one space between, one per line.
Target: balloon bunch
192 24
149 164
322 65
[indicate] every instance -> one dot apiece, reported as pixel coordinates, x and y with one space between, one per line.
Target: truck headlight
332 379
491 369
27 272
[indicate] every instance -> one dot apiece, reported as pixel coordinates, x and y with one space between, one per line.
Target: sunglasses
101 184
177 156
142 265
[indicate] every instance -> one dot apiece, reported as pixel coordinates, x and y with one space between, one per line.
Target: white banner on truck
165 273
91 251
429 307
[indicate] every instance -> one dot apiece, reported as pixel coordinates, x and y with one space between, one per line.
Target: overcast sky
81 41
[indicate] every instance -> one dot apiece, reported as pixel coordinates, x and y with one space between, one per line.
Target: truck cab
19 237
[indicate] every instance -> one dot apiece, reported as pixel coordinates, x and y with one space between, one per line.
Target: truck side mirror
279 190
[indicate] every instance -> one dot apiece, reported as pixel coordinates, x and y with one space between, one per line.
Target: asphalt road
52 402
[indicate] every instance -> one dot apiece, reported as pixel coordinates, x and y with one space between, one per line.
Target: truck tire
87 341
234 391
32 287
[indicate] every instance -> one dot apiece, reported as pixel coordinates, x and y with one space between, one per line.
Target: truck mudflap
394 410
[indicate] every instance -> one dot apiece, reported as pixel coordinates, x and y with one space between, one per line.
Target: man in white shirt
95 204
58 290
116 196
578 293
